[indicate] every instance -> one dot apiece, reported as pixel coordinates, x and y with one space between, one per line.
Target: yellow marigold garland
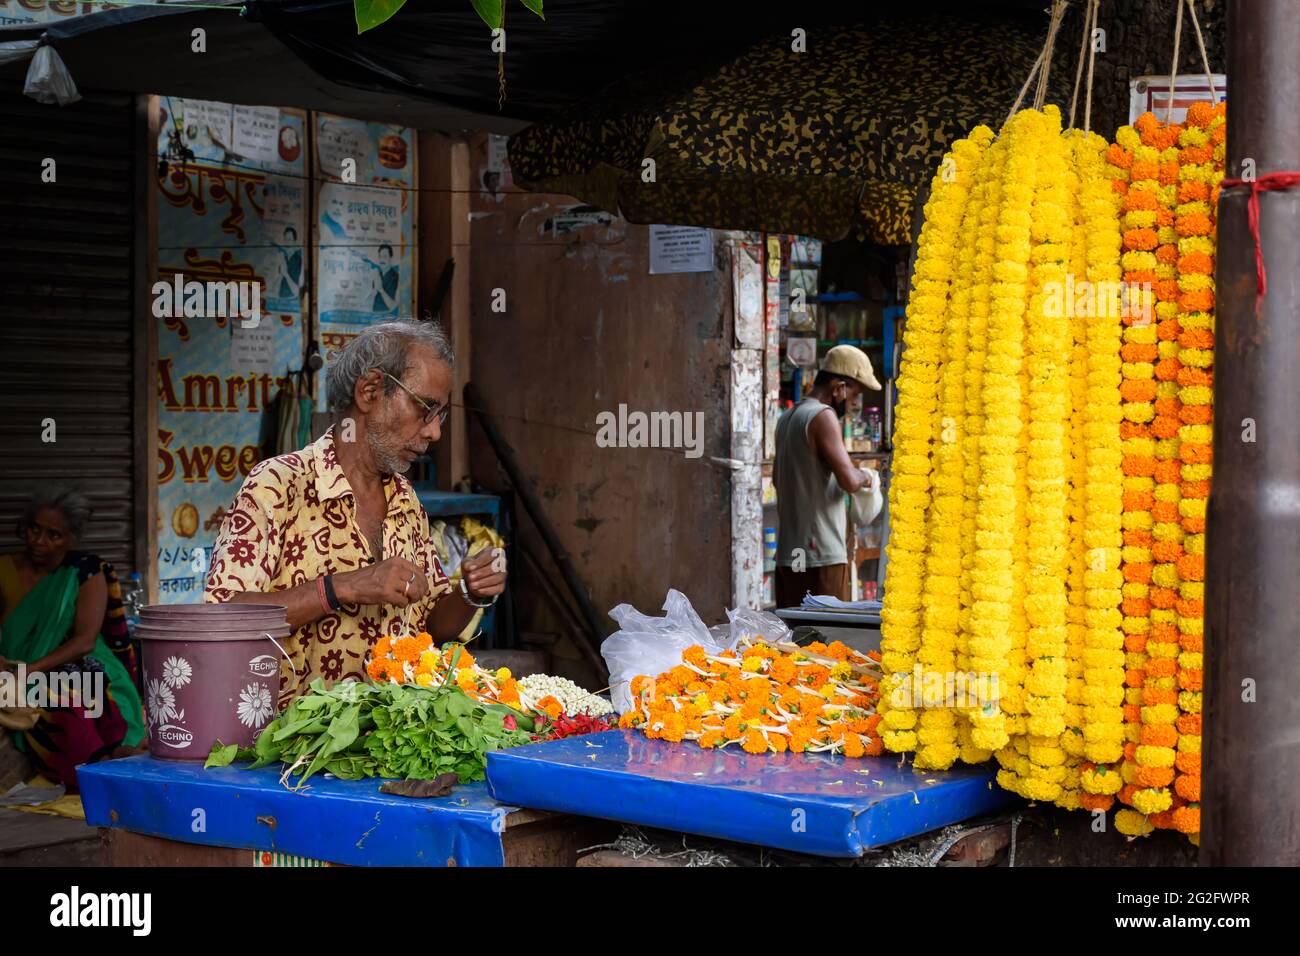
990 197
909 493
992 576
937 746
1047 366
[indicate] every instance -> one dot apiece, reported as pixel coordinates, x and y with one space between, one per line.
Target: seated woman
61 612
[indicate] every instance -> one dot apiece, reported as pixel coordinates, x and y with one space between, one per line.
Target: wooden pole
444 235
1250 814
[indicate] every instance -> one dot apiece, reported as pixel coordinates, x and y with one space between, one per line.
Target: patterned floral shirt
293 521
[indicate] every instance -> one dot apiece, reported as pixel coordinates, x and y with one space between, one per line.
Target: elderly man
336 534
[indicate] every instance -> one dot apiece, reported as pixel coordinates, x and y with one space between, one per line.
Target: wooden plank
616 858
554 841
125 848
443 168
35 839
144 401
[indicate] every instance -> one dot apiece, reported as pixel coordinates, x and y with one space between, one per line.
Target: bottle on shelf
874 427
133 598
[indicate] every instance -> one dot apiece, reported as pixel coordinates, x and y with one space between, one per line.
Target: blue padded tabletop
811 803
340 821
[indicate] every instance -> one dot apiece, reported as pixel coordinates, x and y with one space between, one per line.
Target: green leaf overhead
490 11
535 6
371 13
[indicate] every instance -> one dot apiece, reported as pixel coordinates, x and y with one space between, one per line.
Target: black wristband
330 597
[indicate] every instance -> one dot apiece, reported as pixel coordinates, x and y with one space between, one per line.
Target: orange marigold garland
1153 757
1140 212
1202 144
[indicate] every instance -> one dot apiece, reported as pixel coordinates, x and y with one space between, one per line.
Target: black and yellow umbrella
828 134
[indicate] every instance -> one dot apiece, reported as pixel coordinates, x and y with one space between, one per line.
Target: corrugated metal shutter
66 342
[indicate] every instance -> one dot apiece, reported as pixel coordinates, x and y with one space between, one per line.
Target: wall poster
232 233
365 228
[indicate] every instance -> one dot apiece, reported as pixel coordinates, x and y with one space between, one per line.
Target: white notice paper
255 133
680 249
205 121
252 349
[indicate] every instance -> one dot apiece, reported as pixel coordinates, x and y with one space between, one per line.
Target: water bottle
132 600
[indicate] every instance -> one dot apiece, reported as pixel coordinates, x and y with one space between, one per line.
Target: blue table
338 821
810 803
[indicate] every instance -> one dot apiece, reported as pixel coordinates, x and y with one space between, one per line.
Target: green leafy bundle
356 730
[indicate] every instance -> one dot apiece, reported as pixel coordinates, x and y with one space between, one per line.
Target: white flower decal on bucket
161 702
176 672
254 705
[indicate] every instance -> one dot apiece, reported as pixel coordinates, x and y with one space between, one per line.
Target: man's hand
393 581
485 573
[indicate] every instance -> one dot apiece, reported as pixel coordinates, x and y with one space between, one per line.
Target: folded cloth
825 602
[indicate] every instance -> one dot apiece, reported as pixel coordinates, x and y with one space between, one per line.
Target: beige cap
850 362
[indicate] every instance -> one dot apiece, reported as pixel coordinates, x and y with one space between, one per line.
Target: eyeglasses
431 412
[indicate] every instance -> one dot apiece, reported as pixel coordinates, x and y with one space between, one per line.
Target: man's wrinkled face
397 432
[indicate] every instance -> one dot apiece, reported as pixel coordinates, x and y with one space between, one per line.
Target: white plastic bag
652 645
756 625
48 80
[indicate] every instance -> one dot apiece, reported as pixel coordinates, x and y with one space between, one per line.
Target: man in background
813 473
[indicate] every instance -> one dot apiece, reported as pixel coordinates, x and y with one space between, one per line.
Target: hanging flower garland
1202 157
1053 464
937 742
909 494
1136 175
1047 366
992 575
1153 752
1103 654
990 196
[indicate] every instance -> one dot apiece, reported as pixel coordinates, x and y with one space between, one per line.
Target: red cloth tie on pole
1265 183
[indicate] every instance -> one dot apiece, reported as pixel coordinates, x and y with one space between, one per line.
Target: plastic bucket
211 673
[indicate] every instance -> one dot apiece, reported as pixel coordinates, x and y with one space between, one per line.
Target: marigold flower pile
415 660
1052 463
819 699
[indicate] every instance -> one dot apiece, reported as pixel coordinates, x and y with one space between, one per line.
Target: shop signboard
227 296
1151 94
365 228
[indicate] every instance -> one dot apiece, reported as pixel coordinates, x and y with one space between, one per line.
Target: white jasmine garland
572 698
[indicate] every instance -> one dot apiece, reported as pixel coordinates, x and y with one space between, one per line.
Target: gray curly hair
387 347
72 504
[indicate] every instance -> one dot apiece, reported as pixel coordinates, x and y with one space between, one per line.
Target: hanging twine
1053 27
1083 49
1269 182
1092 59
1015 107
1173 67
1200 41
1042 64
